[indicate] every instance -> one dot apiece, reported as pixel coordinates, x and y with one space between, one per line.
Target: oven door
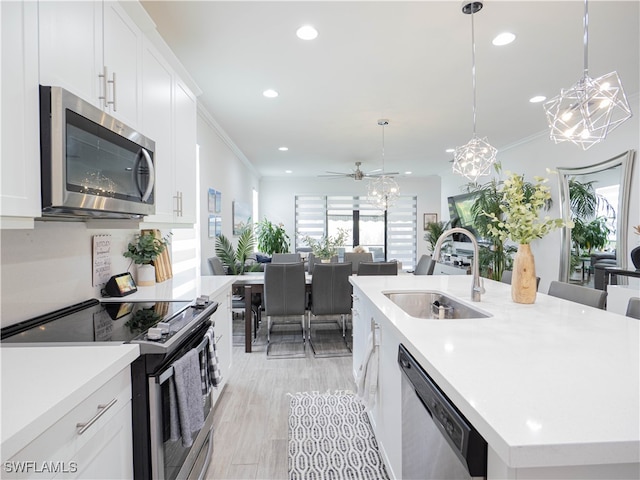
169 458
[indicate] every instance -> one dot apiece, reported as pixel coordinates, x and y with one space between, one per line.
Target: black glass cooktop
91 321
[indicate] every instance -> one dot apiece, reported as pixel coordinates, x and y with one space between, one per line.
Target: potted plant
496 257
434 231
272 238
519 221
235 259
143 251
327 246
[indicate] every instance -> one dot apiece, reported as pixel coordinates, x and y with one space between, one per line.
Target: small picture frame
214 201
430 218
215 226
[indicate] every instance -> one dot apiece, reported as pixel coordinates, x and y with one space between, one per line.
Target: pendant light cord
473 71
586 39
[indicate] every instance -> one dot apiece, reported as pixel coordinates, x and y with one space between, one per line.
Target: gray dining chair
378 268
633 308
507 275
331 294
284 295
576 293
285 258
216 266
313 260
424 266
356 258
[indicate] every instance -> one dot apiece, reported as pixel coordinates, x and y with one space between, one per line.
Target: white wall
50 267
533 156
224 169
277 197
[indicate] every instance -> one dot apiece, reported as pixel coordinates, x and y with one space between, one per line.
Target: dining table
252 283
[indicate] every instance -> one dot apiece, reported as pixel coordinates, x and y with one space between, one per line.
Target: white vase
146 275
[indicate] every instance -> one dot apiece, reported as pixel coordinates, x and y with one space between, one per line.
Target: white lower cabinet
103 450
385 416
224 339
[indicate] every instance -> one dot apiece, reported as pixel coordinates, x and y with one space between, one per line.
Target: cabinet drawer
53 452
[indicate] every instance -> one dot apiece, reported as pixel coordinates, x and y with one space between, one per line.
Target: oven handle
168 373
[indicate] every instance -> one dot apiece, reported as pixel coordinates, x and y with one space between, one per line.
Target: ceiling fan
358 174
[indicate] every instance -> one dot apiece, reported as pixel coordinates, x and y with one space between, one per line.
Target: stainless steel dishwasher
437 441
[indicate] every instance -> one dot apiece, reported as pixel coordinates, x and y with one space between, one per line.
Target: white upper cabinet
185 114
20 141
93 50
122 48
169 118
157 101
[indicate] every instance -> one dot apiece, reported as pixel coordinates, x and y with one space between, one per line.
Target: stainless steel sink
433 305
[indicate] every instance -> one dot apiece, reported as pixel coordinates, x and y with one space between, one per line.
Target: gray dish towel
188 396
210 374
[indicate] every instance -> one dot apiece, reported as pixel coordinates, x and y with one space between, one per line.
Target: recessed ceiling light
450 150
408 172
307 32
283 149
270 93
537 99
504 39
288 171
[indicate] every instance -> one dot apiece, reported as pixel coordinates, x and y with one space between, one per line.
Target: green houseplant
327 246
496 257
272 238
143 251
434 230
235 259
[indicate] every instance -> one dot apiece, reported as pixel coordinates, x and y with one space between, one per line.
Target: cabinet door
122 44
157 81
20 142
185 112
224 340
70 37
109 454
389 401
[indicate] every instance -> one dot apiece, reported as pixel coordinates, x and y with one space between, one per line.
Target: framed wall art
430 218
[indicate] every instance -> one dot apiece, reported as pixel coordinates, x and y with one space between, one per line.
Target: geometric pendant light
586 112
383 191
476 158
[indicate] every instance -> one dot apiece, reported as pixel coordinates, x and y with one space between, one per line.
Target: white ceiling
409 62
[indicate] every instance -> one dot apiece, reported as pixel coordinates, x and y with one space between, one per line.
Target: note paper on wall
101 259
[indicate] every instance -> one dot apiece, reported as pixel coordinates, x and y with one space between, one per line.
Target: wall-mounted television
460 212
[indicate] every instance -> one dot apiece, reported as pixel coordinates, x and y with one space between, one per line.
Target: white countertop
41 384
210 285
549 384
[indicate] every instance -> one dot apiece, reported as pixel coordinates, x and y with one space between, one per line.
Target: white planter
146 275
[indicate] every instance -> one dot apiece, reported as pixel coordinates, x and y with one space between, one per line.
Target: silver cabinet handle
102 409
178 197
113 89
103 97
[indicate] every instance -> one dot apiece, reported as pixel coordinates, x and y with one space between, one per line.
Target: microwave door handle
152 176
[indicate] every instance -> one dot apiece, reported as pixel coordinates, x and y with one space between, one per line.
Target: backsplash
50 267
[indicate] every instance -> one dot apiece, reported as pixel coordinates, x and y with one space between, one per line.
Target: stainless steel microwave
92 165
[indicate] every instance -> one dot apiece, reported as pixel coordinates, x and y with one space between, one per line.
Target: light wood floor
250 420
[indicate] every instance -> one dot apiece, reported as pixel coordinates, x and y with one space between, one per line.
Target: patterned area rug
330 438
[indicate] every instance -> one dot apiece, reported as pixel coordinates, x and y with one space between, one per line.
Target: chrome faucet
476 288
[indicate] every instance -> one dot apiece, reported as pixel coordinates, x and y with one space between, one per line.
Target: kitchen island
553 387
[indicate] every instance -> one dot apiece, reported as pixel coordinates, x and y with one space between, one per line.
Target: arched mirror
596 197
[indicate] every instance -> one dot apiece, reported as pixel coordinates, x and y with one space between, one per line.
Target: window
391 236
